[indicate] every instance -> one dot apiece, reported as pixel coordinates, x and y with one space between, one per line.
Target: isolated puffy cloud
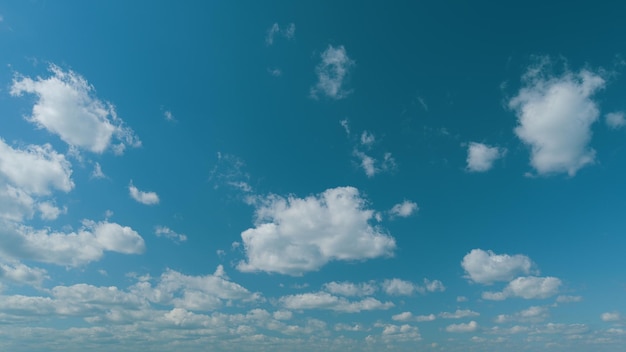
480 157
295 235
459 314
486 267
610 316
324 300
350 289
148 198
22 274
527 287
67 107
555 115
404 209
532 314
331 73
408 316
164 231
463 327
615 119
70 249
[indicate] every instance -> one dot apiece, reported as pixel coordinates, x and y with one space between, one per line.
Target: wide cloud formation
555 114
67 107
296 235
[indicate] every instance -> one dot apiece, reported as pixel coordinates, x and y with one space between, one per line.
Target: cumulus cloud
164 231
464 313
404 209
148 198
480 157
70 249
66 106
555 115
486 267
350 289
527 287
398 287
331 73
324 300
615 120
532 314
463 327
610 316
22 274
296 235
49 211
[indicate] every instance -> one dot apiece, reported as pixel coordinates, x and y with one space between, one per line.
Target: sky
338 176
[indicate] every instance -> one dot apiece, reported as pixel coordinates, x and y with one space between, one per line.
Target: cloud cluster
66 107
296 235
331 73
555 115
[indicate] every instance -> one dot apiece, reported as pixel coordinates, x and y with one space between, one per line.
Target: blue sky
247 176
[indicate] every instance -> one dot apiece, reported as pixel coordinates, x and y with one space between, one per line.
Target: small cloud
615 120
169 116
164 231
461 299
276 72
271 32
97 172
49 211
289 33
460 328
331 73
346 127
367 139
480 157
404 209
568 299
610 316
147 198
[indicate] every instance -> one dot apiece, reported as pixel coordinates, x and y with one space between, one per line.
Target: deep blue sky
338 176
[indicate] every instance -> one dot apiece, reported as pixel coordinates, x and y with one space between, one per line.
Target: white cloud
67 107
22 274
271 32
434 286
568 299
615 120
295 235
346 126
555 115
49 211
463 327
148 198
398 287
367 163
324 300
350 289
403 332
169 116
480 157
527 287
459 314
331 73
70 249
404 316
486 267
164 231
289 33
461 299
532 314
610 316
97 171
367 139
404 209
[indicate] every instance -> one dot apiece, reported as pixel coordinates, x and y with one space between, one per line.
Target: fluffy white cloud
49 211
22 274
532 314
324 300
463 327
459 314
408 316
331 73
373 166
480 157
610 316
67 107
164 231
568 299
486 267
404 209
527 287
367 139
295 235
615 120
350 289
555 115
71 249
97 171
403 332
398 287
148 198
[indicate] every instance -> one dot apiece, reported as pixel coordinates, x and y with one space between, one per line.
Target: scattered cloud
480 157
296 235
398 287
66 106
346 126
147 198
568 299
532 314
331 73
289 33
486 267
463 327
367 139
97 171
324 300
459 314
404 209
22 274
555 114
276 72
169 116
372 166
615 120
350 289
164 231
461 299
611 316
229 171
69 249
49 211
527 287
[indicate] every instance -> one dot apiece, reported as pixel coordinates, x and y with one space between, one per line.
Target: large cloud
67 107
295 235
71 249
555 114
486 267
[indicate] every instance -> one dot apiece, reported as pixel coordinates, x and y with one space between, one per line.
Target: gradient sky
337 176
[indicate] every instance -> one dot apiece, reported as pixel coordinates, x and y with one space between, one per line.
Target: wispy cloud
288 32
331 73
